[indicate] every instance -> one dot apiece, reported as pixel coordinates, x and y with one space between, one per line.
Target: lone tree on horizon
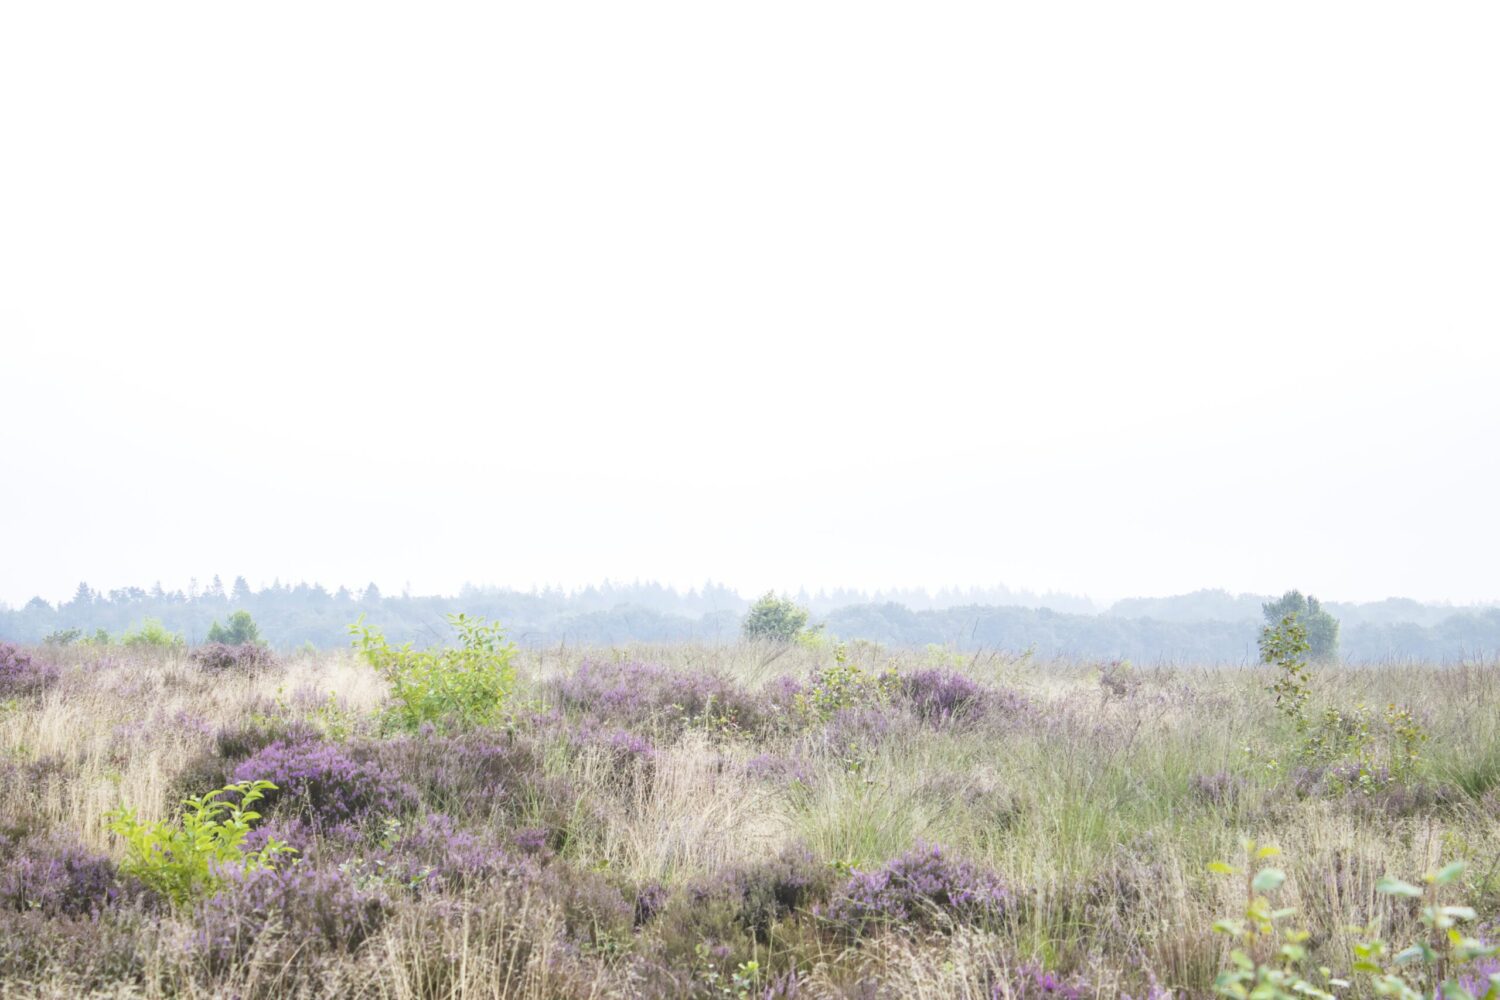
1322 628
775 619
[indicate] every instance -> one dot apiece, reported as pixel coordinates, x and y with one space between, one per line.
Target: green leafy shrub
1388 748
241 630
151 634
772 618
843 685
464 686
1436 964
189 859
1270 961
1283 645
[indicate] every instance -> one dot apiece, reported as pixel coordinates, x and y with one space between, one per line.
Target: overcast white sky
1108 298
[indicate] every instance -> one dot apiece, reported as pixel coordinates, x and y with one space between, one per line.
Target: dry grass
1086 807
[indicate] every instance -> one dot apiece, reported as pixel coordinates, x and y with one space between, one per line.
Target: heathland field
737 821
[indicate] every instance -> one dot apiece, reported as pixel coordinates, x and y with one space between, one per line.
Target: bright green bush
186 860
151 634
464 686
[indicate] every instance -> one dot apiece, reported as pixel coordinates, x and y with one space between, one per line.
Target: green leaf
1448 873
1268 880
1395 887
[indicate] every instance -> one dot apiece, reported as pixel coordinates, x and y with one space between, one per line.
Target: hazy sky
1108 298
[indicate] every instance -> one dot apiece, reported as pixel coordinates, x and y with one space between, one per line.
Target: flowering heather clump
851 733
783 695
20 675
85 955
478 775
438 853
321 782
776 769
1475 976
921 888
760 894
58 879
1220 789
940 696
308 907
243 658
623 745
647 695
1032 982
533 841
241 739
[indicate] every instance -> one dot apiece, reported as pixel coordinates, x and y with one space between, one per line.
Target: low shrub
188 859
242 658
647 696
482 776
1218 789
151 634
844 685
457 687
940 696
57 879
103 953
310 909
324 785
922 888
438 854
761 894
20 675
258 730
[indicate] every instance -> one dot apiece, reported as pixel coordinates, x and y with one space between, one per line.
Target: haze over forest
1089 311
1209 626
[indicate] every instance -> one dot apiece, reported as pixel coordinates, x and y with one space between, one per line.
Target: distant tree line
1207 627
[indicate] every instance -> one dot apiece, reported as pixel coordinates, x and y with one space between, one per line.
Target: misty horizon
982 594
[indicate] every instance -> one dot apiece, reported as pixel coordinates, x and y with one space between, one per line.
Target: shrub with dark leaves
650 899
260 726
761 894
479 775
322 783
922 888
310 908
1219 789
58 879
245 657
20 675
